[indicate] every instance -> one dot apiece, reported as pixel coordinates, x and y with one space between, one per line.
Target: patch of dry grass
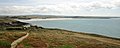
6 38
7 20
61 39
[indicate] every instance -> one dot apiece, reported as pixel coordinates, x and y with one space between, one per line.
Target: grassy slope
7 37
46 38
7 20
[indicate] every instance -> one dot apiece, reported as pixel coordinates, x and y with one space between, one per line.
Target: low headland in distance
40 37
55 16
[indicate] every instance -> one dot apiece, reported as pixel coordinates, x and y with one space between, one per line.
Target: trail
16 42
106 40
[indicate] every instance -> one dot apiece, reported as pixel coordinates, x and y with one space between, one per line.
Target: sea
106 27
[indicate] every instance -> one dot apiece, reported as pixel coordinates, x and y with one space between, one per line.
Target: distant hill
54 16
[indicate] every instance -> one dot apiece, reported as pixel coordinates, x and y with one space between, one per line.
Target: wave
53 19
50 19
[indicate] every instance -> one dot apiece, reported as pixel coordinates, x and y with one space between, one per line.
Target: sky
60 7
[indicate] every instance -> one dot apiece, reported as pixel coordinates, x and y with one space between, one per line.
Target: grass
7 20
96 35
51 38
45 38
63 46
67 46
27 45
6 38
5 43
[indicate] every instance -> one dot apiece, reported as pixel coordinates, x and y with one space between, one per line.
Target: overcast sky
61 7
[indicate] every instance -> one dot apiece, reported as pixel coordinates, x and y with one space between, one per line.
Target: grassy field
56 38
6 20
50 38
6 38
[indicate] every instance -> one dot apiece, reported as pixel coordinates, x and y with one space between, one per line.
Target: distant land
53 16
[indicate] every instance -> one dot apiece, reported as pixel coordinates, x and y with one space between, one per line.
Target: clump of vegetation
6 38
67 46
7 20
5 43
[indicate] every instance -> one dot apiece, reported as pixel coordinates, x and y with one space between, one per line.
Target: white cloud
61 8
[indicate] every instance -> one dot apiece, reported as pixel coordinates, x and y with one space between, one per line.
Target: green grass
67 46
63 46
5 43
27 45
6 38
96 35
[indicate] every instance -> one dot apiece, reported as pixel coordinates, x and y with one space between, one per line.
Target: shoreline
55 19
91 34
48 37
51 19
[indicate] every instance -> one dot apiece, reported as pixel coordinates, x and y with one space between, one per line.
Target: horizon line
60 15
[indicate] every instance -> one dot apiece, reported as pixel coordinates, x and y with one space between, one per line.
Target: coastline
54 19
52 37
51 19
91 34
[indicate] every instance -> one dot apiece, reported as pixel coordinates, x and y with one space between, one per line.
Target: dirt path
15 43
106 40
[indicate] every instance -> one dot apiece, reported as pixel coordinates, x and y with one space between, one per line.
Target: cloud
60 8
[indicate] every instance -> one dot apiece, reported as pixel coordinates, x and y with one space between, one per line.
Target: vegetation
6 38
5 43
6 20
45 38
